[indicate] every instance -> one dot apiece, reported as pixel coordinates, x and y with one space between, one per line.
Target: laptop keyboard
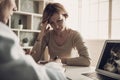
96 76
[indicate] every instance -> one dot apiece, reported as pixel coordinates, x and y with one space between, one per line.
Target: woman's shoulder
73 32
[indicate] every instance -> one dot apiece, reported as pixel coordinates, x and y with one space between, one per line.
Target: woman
61 39
14 64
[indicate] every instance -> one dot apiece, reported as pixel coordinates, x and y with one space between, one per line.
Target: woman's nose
57 26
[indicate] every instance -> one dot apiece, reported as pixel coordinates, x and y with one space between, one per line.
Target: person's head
55 14
6 9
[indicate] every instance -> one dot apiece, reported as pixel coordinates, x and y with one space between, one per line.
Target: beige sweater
64 51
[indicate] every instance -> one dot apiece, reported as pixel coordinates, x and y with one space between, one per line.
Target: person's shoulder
4 29
7 32
73 32
2 26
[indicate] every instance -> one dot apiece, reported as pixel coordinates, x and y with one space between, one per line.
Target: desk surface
74 72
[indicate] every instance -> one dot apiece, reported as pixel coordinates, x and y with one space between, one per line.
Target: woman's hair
52 8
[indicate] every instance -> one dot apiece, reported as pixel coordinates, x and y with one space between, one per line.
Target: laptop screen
109 61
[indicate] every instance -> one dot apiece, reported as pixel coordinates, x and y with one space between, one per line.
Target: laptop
108 66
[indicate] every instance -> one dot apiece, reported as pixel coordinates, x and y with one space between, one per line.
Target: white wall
94 49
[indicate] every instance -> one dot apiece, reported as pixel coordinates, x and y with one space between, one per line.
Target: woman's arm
38 50
83 59
40 44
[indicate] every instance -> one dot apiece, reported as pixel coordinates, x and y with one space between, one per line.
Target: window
100 19
94 19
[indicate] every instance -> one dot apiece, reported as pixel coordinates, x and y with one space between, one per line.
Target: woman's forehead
56 16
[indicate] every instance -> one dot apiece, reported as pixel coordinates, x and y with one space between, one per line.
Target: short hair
52 8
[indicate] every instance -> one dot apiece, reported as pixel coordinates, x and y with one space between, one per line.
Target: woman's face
57 22
8 9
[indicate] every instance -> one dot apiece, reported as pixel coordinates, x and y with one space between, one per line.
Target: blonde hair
52 8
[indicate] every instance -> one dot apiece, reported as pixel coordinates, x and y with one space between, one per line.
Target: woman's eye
60 21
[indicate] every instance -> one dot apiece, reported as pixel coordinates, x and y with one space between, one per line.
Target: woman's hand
45 27
56 59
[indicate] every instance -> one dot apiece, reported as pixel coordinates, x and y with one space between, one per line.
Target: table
74 72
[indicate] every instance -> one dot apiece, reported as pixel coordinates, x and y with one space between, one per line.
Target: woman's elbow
87 63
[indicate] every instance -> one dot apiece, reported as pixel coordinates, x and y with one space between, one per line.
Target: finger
44 25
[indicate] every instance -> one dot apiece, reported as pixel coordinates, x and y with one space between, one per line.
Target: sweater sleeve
83 59
44 43
39 48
